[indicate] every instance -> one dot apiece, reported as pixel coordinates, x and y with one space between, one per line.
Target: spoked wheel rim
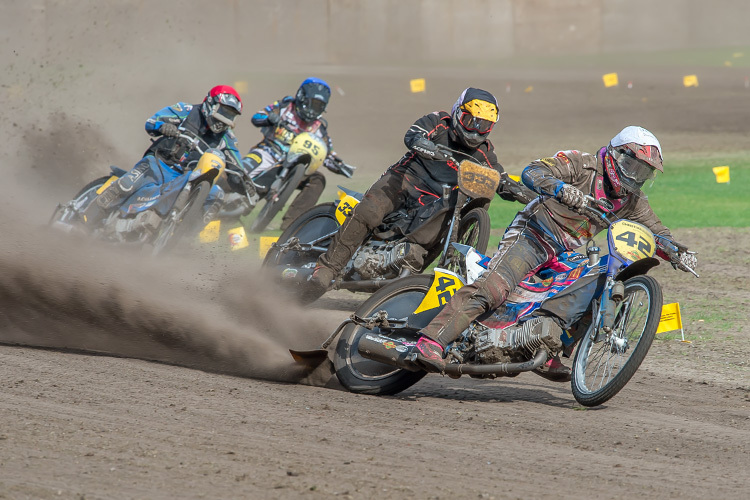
474 231
603 365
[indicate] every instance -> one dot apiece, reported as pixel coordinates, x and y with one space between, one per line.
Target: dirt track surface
79 425
123 377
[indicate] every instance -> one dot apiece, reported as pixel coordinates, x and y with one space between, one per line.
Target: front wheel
603 366
365 376
474 231
176 227
276 201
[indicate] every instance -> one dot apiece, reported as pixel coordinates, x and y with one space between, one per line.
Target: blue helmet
312 98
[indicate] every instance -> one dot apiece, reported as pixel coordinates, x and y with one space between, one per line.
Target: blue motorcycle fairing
531 295
157 196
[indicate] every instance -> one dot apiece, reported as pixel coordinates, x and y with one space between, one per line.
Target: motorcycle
155 215
387 253
306 154
613 334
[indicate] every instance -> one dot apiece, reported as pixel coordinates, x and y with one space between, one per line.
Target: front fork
610 305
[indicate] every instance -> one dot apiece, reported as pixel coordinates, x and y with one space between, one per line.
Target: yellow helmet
474 115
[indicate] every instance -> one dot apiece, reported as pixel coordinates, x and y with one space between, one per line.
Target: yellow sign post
417 85
610 80
722 174
670 319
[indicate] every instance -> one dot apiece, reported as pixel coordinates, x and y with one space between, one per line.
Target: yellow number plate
444 285
345 207
631 240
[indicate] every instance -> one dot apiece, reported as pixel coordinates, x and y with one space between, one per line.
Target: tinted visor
474 124
225 114
315 106
634 169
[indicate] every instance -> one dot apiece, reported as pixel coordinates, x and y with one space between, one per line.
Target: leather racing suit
542 230
414 181
263 158
167 157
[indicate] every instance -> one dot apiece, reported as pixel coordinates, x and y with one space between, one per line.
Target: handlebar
671 248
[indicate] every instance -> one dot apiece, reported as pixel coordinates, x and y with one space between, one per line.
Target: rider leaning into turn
279 123
211 121
418 177
554 223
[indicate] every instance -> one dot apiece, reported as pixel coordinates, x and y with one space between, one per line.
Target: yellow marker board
610 80
265 244
417 85
238 238
241 87
722 174
690 80
211 232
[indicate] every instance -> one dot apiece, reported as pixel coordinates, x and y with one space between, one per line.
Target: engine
131 228
384 261
509 344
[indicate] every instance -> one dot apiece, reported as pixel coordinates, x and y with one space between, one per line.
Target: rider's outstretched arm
174 115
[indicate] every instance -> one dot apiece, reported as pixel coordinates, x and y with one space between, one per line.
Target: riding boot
429 355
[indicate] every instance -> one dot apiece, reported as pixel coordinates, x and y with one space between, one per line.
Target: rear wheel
276 201
365 376
603 366
81 201
311 226
184 222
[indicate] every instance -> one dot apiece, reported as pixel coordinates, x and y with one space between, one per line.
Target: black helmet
474 114
312 99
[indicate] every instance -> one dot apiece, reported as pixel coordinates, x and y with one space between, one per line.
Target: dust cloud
193 308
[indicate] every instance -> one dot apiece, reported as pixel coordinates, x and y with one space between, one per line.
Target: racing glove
337 166
510 190
273 118
677 254
572 197
427 150
168 130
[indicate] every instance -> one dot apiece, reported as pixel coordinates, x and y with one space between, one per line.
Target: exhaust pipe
540 357
387 350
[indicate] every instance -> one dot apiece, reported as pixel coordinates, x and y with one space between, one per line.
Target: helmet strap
613 179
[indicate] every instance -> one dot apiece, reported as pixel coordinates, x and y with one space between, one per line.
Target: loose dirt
128 377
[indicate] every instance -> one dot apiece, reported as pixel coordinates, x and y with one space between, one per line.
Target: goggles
317 106
635 170
474 124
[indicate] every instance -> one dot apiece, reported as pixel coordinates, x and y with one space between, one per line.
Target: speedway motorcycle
384 256
155 216
306 154
612 335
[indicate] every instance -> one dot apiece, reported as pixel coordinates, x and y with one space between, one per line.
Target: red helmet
220 107
633 157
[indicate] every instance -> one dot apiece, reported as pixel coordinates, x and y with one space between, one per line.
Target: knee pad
124 186
492 290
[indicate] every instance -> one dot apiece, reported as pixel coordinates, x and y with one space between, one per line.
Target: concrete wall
354 32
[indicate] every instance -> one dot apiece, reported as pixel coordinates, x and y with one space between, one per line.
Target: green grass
686 195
